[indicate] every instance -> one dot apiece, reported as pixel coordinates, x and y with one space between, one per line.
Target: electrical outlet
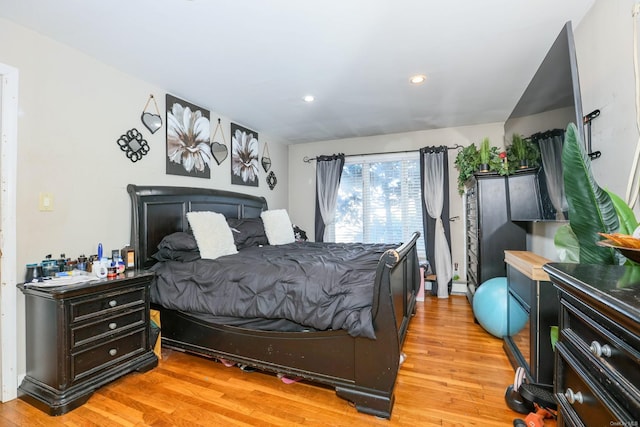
45 202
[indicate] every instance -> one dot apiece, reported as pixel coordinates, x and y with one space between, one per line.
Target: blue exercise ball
490 308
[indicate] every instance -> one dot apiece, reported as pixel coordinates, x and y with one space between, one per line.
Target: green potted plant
519 149
467 161
523 152
484 155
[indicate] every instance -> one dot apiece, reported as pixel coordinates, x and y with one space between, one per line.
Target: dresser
597 357
489 230
531 290
82 336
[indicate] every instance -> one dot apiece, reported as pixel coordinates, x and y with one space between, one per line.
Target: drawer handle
600 350
112 325
113 303
113 352
573 397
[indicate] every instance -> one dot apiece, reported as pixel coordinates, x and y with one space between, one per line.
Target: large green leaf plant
591 209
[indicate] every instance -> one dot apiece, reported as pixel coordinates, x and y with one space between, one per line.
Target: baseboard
457 288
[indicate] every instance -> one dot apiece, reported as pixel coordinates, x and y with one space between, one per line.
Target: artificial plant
523 150
518 147
470 158
467 161
485 151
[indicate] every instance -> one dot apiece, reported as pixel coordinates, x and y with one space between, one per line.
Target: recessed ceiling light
417 79
308 98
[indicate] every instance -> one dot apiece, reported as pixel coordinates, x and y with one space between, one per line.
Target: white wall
302 175
604 49
72 110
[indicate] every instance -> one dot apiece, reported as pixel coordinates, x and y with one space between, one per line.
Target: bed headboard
157 211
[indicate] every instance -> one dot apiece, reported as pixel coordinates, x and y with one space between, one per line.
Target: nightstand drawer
94 359
112 325
93 307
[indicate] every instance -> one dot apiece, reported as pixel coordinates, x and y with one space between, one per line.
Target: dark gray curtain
328 173
434 176
550 144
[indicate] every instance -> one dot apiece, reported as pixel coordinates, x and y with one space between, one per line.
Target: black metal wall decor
272 180
134 146
152 121
219 151
587 121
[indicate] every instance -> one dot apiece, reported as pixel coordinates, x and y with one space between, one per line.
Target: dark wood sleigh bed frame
362 371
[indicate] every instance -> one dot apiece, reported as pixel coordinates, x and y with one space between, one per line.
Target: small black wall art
188 131
133 145
244 156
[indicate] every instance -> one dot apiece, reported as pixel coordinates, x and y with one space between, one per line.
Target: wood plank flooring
455 375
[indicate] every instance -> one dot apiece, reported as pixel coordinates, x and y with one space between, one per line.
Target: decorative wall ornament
271 180
266 158
219 151
134 146
153 122
244 156
188 130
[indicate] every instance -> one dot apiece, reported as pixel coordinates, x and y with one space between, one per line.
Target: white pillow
212 234
277 227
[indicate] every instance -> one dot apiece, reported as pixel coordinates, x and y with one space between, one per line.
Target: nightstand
82 336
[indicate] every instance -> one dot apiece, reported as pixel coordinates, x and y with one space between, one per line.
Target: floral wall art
188 131
244 156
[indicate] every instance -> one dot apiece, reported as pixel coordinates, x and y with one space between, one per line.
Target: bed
361 369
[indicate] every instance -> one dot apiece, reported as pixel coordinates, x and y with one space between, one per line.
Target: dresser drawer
103 304
93 359
116 324
605 347
579 396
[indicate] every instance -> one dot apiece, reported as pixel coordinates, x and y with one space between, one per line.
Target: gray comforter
320 285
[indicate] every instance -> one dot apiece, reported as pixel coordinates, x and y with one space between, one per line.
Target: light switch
45 202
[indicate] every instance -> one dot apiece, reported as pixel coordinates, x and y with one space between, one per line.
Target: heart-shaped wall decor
266 163
219 151
153 122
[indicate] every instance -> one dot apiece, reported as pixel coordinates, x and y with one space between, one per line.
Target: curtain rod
307 159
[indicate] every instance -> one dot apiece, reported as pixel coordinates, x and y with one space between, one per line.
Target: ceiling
253 60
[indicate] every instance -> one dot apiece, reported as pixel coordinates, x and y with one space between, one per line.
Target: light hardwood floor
455 375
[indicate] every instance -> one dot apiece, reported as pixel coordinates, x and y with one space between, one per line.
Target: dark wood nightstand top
96 285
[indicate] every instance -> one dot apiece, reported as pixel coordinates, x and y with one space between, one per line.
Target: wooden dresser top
527 263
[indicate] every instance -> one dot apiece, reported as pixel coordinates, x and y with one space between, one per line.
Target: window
379 200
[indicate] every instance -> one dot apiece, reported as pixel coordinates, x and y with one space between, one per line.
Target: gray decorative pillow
179 241
247 232
166 254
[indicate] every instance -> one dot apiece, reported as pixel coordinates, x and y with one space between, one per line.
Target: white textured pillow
212 234
277 227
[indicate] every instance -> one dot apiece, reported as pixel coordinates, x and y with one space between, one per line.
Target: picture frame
188 134
244 156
